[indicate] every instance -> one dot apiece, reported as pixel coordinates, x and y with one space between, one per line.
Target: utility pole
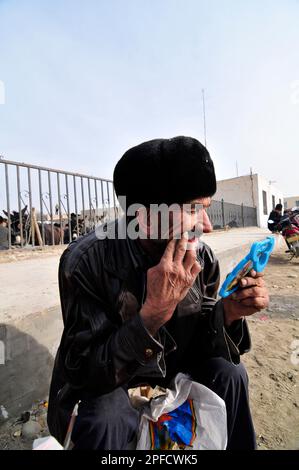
204 115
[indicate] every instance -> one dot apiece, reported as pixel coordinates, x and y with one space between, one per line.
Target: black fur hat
166 171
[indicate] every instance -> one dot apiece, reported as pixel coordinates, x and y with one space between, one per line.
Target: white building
252 191
290 202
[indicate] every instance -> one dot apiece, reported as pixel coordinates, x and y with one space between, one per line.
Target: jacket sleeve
218 340
98 352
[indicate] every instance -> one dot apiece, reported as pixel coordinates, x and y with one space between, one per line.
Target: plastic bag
46 443
189 416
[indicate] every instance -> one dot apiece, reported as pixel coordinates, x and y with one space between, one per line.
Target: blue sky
84 81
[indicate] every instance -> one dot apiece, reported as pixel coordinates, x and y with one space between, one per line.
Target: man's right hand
168 283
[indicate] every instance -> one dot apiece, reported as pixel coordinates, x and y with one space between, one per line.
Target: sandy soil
19 254
272 364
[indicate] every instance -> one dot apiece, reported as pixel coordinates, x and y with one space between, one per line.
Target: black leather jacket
104 343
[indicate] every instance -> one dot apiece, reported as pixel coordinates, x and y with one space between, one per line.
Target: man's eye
191 211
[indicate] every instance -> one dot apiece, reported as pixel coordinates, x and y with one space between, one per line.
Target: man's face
190 217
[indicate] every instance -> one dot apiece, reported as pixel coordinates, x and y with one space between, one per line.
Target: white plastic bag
46 443
209 409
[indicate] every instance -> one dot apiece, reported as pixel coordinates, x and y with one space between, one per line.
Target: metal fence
224 214
66 205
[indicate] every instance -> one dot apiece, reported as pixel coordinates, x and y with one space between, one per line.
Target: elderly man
139 309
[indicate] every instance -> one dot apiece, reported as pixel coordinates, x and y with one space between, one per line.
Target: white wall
248 190
291 201
237 190
271 190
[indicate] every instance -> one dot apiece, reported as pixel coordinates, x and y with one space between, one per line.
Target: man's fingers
196 268
180 249
252 281
169 251
189 259
253 273
250 292
259 303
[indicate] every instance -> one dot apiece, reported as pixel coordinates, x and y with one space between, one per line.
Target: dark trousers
230 382
109 422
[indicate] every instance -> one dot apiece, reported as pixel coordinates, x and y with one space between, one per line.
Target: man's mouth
191 239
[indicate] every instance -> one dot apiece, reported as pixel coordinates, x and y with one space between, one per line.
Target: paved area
222 240
28 286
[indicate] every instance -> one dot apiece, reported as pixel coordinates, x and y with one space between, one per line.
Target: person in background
3 234
275 217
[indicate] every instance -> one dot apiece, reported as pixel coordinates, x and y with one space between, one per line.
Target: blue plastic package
256 259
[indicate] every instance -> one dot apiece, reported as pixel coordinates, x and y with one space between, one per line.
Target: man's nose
207 225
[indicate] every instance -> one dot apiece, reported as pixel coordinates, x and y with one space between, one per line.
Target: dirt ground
19 254
273 362
272 365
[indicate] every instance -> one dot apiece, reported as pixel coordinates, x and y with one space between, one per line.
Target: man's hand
251 297
168 283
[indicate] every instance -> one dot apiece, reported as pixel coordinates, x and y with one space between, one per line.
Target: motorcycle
288 226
